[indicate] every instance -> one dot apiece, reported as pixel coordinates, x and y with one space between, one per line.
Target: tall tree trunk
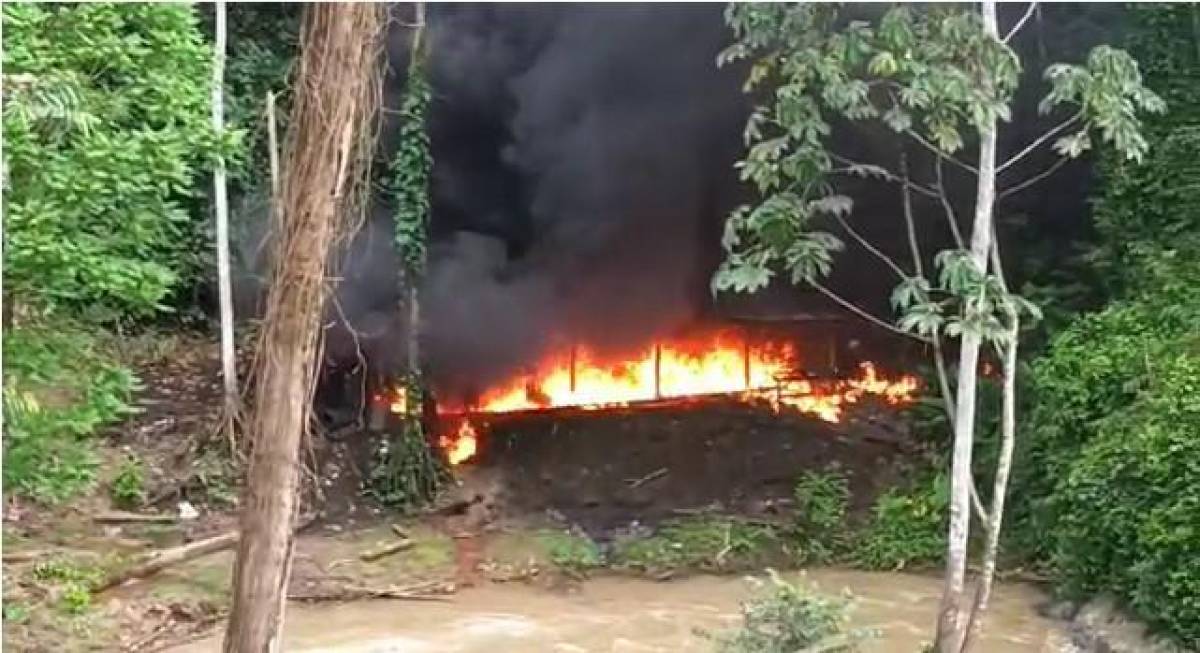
1008 438
951 628
334 101
415 53
221 203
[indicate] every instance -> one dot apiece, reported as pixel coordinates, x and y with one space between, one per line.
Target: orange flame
722 365
461 446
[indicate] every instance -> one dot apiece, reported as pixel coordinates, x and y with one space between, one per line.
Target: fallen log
154 562
35 555
422 592
122 517
386 550
28 556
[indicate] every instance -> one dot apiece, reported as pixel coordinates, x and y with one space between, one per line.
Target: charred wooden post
746 361
657 371
573 355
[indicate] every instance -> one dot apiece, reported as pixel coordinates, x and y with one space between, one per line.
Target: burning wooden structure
807 367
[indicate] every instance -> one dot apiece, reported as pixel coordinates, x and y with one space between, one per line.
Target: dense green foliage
103 143
1128 505
107 133
263 43
933 76
1108 489
787 617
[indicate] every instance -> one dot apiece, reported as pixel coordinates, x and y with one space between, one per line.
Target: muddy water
626 615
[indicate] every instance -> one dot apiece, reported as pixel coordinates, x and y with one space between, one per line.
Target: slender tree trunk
334 101
414 334
221 202
1008 438
414 282
951 629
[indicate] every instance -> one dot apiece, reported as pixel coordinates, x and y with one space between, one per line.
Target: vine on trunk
406 473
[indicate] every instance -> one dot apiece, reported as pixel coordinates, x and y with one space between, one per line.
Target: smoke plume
583 167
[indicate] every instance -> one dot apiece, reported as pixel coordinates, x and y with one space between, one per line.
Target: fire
461 446
723 364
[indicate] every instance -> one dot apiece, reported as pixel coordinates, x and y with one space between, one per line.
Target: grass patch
203 581
572 553
702 543
431 552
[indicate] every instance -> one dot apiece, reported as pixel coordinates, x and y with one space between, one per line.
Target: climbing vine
406 472
410 169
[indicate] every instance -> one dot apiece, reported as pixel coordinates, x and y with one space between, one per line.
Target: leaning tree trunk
335 101
951 627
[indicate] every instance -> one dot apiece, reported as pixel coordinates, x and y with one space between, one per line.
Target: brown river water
613 614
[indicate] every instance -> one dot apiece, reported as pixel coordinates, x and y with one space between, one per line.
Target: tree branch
887 174
863 314
871 248
1041 139
941 153
1033 180
951 218
1020 23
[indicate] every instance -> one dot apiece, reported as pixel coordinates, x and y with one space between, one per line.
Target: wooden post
573 348
657 370
746 361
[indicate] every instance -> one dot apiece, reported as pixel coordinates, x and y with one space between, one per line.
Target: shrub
786 618
907 528
821 505
405 474
60 386
75 599
1129 506
129 485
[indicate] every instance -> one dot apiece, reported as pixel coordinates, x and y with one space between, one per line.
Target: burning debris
724 364
461 445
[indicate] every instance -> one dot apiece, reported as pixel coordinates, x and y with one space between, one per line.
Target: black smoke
583 167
